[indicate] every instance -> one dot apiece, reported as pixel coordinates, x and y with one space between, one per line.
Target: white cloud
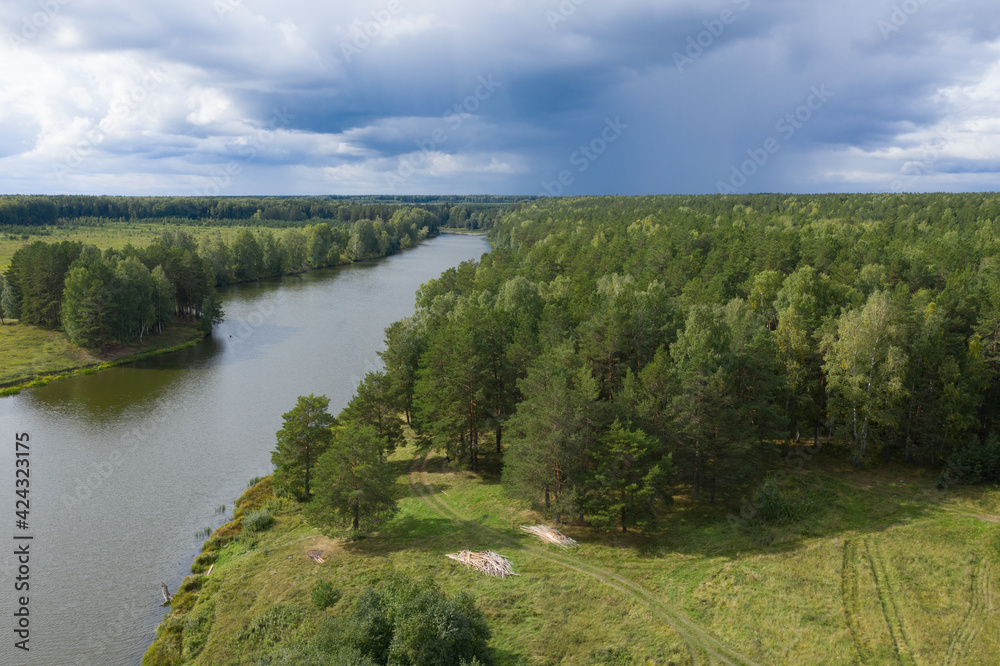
113 96
211 106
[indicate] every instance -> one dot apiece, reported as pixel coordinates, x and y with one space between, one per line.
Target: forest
471 212
117 296
620 351
737 405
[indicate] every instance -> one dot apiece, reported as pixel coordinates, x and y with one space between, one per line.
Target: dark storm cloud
503 96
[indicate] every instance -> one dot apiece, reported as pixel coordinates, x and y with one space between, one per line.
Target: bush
258 521
977 462
253 498
325 595
278 624
771 504
223 536
187 594
312 656
415 623
203 561
166 650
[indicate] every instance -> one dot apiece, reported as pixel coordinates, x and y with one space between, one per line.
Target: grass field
29 353
112 235
876 568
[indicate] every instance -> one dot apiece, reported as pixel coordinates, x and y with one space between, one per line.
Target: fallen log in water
167 597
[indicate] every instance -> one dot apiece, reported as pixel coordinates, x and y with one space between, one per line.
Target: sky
536 97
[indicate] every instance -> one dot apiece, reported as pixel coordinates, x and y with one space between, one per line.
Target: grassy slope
879 568
29 353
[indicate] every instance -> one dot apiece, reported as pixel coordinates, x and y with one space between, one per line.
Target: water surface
129 463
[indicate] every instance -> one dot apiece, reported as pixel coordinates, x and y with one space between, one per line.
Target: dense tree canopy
185 268
471 212
722 328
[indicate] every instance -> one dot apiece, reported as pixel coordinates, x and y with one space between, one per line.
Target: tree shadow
404 533
401 468
490 466
826 499
503 657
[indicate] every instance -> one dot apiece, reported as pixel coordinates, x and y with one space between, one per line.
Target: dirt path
702 646
985 517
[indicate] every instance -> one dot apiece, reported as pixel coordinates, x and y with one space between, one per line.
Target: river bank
462 232
35 356
145 453
695 589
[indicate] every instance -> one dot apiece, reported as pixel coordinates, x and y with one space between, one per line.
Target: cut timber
490 563
209 572
550 535
166 594
316 556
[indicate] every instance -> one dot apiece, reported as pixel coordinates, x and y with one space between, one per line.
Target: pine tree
87 300
373 405
302 439
9 301
163 299
354 483
628 480
551 431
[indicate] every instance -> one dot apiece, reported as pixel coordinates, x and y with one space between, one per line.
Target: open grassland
876 567
30 355
113 235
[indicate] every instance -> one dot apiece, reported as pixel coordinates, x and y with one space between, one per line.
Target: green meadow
873 567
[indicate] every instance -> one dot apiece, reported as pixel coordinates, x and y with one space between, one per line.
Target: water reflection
130 462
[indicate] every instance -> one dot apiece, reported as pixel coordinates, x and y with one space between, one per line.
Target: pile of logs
490 563
550 535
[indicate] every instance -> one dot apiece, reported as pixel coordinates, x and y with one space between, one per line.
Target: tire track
850 594
979 602
701 645
888 597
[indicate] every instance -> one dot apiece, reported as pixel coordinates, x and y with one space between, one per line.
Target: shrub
187 594
325 595
258 521
204 561
223 535
406 622
770 503
976 462
166 650
312 656
254 498
276 625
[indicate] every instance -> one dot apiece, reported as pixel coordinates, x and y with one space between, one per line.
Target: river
128 464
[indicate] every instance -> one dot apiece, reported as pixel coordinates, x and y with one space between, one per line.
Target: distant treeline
621 350
459 211
119 295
